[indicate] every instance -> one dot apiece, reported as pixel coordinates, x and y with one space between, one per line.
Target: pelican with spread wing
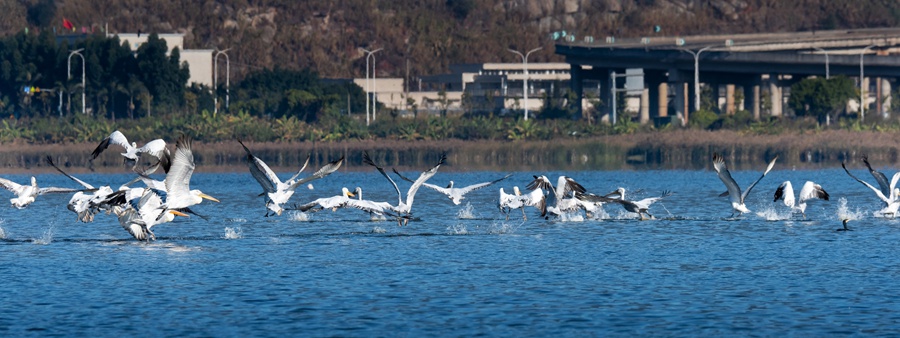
891 200
178 193
403 208
26 194
734 191
156 148
517 200
809 191
455 194
640 207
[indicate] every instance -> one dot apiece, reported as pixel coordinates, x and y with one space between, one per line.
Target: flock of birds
139 209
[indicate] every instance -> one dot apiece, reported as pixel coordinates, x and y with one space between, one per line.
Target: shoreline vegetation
687 149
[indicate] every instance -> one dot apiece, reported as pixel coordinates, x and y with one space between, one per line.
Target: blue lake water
460 270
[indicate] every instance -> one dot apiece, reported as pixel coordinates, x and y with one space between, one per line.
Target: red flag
68 24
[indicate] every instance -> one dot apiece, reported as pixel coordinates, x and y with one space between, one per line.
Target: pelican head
347 192
516 191
358 191
200 196
450 185
33 181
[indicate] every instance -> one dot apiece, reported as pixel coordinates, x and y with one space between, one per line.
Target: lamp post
862 89
525 71
83 88
370 54
216 79
827 70
697 74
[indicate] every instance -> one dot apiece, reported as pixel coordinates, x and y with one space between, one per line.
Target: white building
200 61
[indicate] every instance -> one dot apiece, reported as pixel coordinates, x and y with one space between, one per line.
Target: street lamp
862 90
525 71
83 88
370 54
827 70
216 79
697 74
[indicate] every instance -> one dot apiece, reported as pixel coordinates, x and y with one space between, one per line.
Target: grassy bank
676 149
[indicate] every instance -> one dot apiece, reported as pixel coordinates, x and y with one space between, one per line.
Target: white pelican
156 148
25 194
891 202
455 194
516 200
639 207
403 208
333 202
277 192
178 194
734 191
810 190
141 214
564 193
879 177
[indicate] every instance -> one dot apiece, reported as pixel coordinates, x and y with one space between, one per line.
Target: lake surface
461 270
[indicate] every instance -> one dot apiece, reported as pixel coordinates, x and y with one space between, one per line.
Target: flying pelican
734 191
178 194
809 191
564 193
141 214
333 202
455 194
891 202
639 207
403 208
25 194
879 177
277 192
156 148
516 200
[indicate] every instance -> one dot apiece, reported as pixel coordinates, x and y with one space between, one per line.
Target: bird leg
524 217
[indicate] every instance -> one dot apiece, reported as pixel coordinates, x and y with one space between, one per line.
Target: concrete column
751 99
680 102
663 100
775 93
729 99
886 93
576 78
645 106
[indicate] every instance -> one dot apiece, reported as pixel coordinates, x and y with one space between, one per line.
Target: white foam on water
458 229
234 233
844 212
571 217
2 233
298 216
46 238
378 230
467 212
503 228
771 214
599 214
377 217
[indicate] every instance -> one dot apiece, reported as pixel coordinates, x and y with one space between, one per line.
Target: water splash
458 229
771 214
299 216
378 230
234 233
570 217
598 214
377 217
46 238
844 212
236 220
467 212
2 233
502 228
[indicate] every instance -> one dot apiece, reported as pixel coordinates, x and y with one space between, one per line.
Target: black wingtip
368 160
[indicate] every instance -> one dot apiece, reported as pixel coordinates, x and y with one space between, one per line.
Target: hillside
424 37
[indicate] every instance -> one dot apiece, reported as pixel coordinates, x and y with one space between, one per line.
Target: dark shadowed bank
689 149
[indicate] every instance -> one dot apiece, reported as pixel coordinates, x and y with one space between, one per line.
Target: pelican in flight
564 193
403 208
156 148
734 191
141 214
86 205
276 191
516 200
178 193
891 201
810 190
25 194
333 202
455 194
639 207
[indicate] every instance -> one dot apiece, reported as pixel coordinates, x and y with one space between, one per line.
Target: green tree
818 97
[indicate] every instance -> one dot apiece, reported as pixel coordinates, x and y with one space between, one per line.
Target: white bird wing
440 189
10 185
750 187
261 172
369 206
368 160
880 178
647 202
894 180
116 138
734 191
473 187
876 190
785 191
811 190
305 163
178 180
55 190
424 176
541 182
322 172
85 185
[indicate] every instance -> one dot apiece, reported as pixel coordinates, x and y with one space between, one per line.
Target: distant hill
424 37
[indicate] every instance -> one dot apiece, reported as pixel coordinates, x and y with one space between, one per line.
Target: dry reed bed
682 149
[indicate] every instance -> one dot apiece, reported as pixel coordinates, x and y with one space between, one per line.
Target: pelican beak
205 196
178 213
614 193
350 194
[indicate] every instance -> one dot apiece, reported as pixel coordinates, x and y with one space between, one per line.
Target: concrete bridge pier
752 96
776 95
576 84
655 81
679 84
